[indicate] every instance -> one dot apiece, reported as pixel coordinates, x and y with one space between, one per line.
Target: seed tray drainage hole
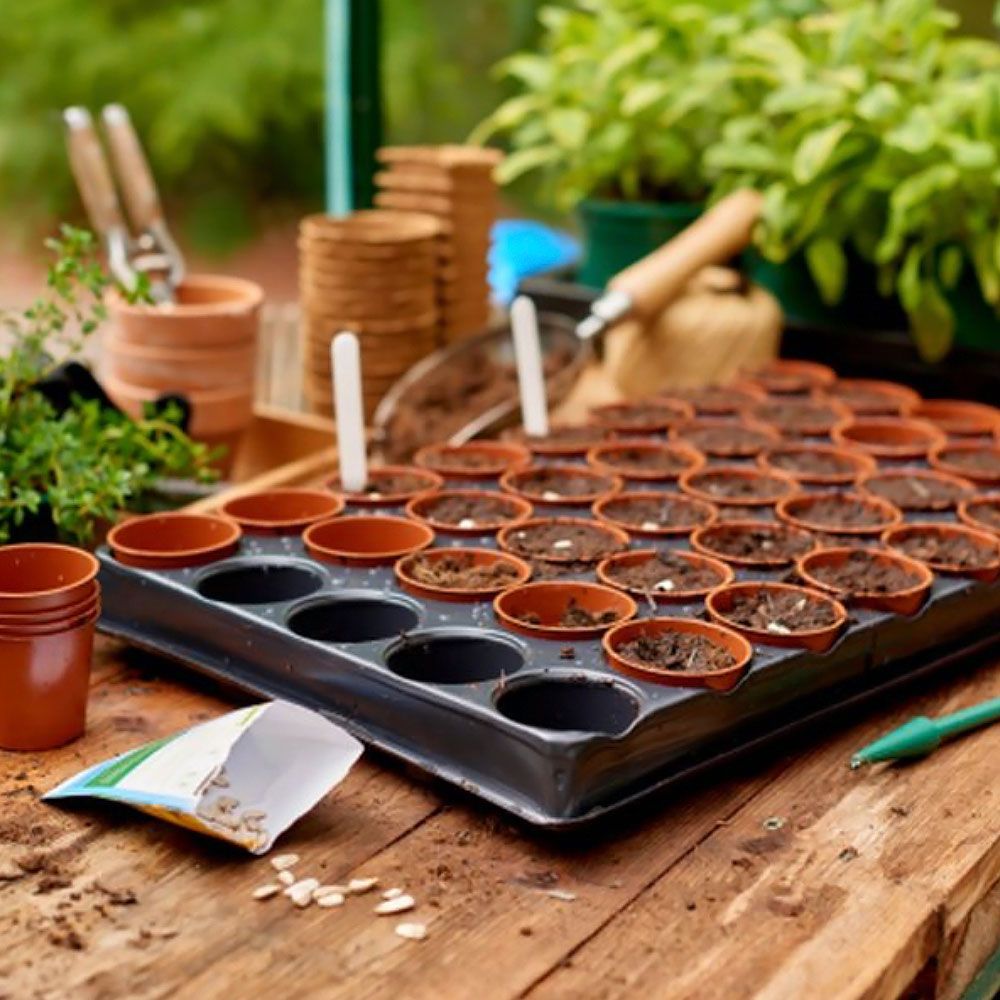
262 583
353 619
453 659
565 705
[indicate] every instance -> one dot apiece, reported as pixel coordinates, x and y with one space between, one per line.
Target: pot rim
815 430
516 455
620 537
908 398
721 423
382 557
542 446
755 392
88 573
401 569
246 296
216 550
71 623
260 525
726 573
932 437
739 472
891 511
562 632
698 544
943 465
966 516
816 374
597 508
46 614
986 539
862 463
509 485
435 482
924 574
597 461
988 415
915 472
676 408
522 506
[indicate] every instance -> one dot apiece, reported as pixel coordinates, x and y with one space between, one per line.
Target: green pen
922 735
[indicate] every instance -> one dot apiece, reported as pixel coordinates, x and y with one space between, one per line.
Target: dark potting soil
668 572
725 485
771 543
981 461
640 414
947 550
553 484
797 416
727 441
566 542
988 512
564 434
467 512
646 460
543 570
865 401
665 512
839 512
466 460
780 612
713 400
865 573
917 491
460 572
574 616
816 463
677 651
390 484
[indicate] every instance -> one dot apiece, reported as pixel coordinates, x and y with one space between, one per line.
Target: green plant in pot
67 471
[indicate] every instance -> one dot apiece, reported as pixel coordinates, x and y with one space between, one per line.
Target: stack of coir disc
455 184
372 272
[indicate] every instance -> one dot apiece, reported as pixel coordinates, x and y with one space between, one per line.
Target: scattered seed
301 898
392 893
266 891
398 905
563 543
328 890
776 628
359 885
551 495
283 861
467 522
412 932
649 525
562 894
664 584
286 878
329 900
305 885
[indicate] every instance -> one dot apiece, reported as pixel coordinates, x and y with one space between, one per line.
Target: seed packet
244 777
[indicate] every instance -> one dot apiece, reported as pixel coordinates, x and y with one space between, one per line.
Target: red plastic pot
281 511
859 463
650 416
37 577
366 539
518 483
705 540
607 459
716 400
422 508
985 540
889 437
785 377
957 459
970 512
172 541
815 418
379 492
479 557
15 619
507 537
548 602
636 557
717 680
564 440
692 433
963 486
866 397
70 620
608 509
796 511
775 484
959 418
475 460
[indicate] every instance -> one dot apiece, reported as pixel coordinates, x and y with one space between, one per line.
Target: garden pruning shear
152 252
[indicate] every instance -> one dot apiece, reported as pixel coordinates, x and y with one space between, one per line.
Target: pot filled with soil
281 511
796 417
981 513
889 437
817 464
664 575
459 574
917 489
648 514
174 540
564 440
560 485
475 460
722 438
716 400
42 578
839 513
782 377
651 416
755 544
679 652
953 549
563 610
779 614
870 578
562 540
644 461
959 418
738 486
978 462
366 539
390 486
468 512
866 397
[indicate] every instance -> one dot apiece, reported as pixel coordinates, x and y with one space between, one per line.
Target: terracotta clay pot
517 482
956 485
610 459
973 512
617 540
785 377
172 541
648 417
548 602
422 508
211 311
720 602
889 437
605 573
16 619
710 541
959 460
176 369
366 539
772 485
907 601
381 493
281 511
563 440
809 417
855 463
717 680
475 460
63 623
796 511
44 683
716 400
404 570
959 418
987 572
866 397
38 577
694 432
610 510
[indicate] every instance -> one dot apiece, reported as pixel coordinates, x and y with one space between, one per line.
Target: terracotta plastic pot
636 557
811 417
381 493
179 370
973 512
693 433
366 539
422 508
720 602
44 683
548 602
478 557
616 538
610 459
785 377
211 311
517 482
475 460
958 460
868 485
171 541
609 509
716 400
651 416
564 440
959 418
796 511
38 577
773 485
281 511
62 624
717 680
889 437
866 397
986 541
16 619
708 540
857 462
906 601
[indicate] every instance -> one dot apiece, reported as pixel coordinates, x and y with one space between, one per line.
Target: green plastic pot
618 233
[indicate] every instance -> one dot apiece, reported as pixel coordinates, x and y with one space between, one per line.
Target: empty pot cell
569 705
454 657
259 583
353 618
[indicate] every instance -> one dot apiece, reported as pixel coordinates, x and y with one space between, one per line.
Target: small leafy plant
83 466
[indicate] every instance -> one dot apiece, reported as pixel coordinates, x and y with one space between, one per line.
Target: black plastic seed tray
558 742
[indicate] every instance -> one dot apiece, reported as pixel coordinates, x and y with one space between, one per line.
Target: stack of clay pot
203 346
50 601
374 273
455 184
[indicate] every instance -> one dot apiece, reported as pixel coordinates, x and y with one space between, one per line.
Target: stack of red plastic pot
50 601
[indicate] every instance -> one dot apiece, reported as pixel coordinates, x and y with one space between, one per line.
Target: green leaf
828 267
970 155
644 95
951 261
568 127
933 322
816 150
535 71
643 43
915 135
879 103
524 160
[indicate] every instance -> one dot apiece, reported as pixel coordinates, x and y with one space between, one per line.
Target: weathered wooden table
794 878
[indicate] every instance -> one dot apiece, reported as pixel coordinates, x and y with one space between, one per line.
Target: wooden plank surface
792 878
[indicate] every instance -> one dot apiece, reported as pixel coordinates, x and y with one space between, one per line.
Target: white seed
328 890
375 495
551 495
300 897
360 885
305 885
392 893
664 584
467 522
329 900
563 543
412 932
561 894
398 905
283 861
286 878
650 525
776 628
266 891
